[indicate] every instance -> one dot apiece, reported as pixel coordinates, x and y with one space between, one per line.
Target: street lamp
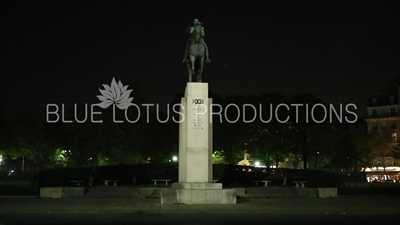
257 163
315 162
174 158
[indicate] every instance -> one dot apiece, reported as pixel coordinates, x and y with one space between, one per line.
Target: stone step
266 192
111 194
114 196
112 191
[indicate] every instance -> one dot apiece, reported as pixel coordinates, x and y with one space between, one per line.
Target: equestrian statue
196 53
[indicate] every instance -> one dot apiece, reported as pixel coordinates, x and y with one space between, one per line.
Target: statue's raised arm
188 30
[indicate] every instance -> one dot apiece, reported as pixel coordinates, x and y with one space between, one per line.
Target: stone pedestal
198 193
195 154
195 143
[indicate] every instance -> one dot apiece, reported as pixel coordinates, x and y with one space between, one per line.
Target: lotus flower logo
115 94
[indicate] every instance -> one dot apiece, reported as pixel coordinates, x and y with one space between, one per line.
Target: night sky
62 52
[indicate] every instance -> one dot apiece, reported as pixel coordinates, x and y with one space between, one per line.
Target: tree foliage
260 130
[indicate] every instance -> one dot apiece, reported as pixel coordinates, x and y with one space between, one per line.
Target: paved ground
343 210
177 219
357 205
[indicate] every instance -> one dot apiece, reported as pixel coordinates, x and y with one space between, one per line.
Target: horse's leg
207 53
192 63
192 60
200 71
197 73
189 71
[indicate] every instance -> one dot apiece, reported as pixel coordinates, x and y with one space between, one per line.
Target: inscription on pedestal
196 117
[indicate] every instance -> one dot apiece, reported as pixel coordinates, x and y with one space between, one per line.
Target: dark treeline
266 126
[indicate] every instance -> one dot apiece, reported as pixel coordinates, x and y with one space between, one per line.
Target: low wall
289 192
61 192
152 192
306 192
316 192
327 192
267 192
241 192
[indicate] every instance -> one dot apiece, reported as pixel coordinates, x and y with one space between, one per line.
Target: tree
29 137
163 137
108 142
396 151
362 142
229 132
127 144
382 146
218 157
267 133
310 135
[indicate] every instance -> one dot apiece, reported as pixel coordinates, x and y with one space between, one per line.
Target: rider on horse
190 31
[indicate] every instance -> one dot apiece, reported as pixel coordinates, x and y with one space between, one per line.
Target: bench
262 181
78 182
106 182
300 183
164 180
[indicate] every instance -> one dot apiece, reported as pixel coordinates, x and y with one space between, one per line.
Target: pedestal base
197 186
198 193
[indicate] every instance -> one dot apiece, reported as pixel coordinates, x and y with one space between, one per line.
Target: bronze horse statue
196 57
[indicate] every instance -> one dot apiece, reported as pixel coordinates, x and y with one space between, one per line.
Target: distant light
1 159
257 163
12 171
174 158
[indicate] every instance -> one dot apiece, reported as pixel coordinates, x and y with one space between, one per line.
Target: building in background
383 116
245 161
